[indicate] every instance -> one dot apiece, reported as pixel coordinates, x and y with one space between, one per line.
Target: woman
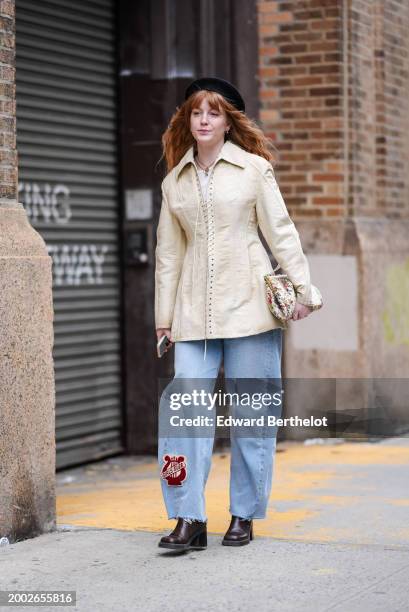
210 296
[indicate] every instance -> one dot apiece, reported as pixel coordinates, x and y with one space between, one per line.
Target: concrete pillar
27 396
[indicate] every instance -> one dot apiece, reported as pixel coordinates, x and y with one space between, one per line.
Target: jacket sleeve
169 256
283 239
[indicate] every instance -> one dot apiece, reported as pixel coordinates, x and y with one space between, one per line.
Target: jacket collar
229 152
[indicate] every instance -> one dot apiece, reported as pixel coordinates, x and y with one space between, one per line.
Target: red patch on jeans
174 469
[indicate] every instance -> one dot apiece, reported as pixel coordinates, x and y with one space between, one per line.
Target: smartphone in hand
162 345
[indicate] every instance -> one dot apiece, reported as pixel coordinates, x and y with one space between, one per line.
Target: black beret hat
226 89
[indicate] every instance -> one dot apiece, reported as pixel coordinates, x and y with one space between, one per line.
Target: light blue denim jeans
251 458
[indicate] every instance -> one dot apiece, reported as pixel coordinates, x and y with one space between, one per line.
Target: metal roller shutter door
67 144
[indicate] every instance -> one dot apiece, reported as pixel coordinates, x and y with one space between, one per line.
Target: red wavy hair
244 131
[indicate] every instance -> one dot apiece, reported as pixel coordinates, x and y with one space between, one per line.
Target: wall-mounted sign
138 204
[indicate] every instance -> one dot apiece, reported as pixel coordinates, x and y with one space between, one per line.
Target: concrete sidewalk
336 537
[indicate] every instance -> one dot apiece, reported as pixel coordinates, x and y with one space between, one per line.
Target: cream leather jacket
210 261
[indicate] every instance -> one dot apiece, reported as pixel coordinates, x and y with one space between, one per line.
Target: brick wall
8 154
378 108
300 75
339 155
392 108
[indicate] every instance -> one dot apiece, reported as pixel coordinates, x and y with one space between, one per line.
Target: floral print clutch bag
282 296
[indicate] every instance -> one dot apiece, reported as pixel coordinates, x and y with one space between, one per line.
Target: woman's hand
300 311
164 332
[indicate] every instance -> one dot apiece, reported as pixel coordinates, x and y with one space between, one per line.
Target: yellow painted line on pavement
132 498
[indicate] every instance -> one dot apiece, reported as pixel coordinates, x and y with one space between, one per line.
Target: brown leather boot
186 536
239 533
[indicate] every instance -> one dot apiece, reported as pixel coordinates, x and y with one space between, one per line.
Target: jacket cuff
309 296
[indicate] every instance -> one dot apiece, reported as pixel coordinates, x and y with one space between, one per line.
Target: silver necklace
206 168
